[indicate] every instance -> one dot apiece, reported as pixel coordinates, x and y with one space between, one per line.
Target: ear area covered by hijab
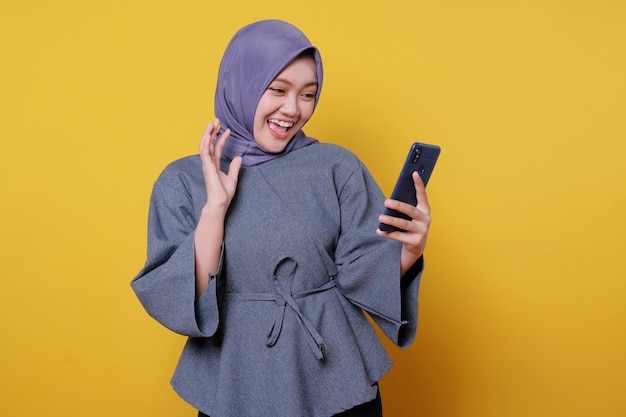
256 54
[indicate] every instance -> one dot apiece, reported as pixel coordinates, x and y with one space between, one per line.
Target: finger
235 165
221 141
413 212
207 138
402 237
219 144
215 126
420 192
400 223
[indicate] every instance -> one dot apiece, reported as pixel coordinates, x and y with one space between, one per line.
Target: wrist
214 211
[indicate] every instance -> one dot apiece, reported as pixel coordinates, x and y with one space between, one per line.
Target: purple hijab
253 58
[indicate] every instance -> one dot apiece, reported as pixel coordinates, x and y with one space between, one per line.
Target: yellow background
522 305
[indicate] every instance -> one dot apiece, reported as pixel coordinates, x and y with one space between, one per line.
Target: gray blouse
281 330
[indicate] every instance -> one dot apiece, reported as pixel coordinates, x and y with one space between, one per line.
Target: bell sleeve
166 284
369 265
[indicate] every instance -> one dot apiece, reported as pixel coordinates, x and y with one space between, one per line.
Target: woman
264 249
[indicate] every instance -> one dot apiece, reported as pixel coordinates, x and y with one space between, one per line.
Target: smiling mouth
279 127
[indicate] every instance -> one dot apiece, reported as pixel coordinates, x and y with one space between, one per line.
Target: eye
309 95
276 90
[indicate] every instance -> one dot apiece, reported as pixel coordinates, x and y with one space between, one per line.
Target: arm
207 242
209 232
184 248
370 266
416 230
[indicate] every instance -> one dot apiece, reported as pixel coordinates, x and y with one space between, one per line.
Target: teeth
281 123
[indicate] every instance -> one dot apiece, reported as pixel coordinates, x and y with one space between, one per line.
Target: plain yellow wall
522 305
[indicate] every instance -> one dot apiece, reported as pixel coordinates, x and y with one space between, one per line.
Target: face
286 105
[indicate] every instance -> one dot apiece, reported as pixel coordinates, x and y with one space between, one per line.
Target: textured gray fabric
281 330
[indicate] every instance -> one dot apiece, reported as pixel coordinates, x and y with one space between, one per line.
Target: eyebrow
283 80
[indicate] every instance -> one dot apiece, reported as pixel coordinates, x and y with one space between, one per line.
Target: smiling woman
264 247
522 308
286 105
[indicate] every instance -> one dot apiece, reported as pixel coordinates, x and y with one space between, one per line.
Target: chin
274 145
278 148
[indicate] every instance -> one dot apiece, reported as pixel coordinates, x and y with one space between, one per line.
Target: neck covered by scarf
253 58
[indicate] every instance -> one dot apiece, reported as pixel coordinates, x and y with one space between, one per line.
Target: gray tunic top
281 330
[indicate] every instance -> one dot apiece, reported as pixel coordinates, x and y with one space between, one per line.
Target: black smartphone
421 158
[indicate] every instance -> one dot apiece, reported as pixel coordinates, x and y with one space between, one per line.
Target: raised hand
220 186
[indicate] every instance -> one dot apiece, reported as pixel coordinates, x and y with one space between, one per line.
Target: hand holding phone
422 158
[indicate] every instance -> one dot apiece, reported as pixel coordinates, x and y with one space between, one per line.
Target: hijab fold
253 58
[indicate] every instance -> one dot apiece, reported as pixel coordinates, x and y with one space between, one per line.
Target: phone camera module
416 155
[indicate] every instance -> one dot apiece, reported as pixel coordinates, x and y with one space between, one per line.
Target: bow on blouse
285 299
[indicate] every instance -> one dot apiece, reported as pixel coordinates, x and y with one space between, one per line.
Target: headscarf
253 58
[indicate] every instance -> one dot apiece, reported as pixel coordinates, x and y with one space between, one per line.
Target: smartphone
422 158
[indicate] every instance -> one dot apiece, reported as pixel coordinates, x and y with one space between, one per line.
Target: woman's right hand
220 187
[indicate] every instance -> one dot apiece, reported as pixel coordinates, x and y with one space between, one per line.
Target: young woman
264 249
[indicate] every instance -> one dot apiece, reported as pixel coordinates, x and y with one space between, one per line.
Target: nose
289 107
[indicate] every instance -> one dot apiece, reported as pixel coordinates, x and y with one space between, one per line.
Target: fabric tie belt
286 299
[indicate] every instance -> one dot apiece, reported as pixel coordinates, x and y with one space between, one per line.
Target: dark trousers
373 408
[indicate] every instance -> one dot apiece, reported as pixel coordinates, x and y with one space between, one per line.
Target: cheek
258 122
264 105
306 110
260 114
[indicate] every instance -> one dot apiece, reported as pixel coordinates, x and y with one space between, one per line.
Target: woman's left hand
415 230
